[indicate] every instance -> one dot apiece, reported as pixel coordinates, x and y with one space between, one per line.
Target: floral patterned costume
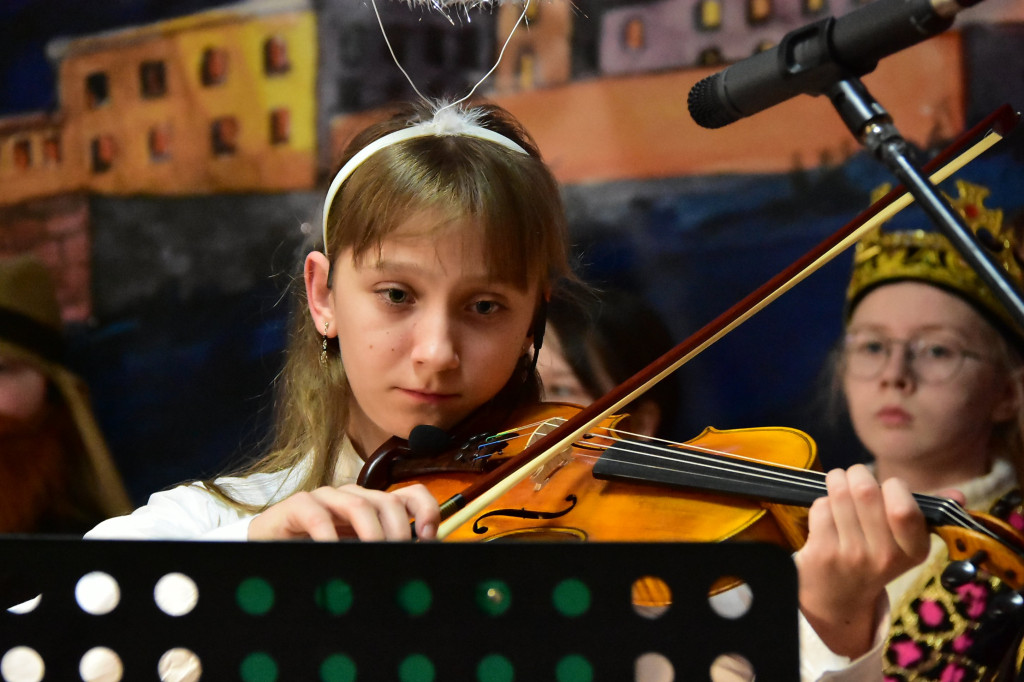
958 630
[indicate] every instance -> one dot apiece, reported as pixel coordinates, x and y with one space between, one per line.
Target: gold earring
323 348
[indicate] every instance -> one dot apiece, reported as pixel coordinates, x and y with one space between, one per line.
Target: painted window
152 79
159 142
708 15
350 95
275 56
214 69
102 151
23 154
51 150
224 135
399 44
97 89
527 70
532 12
351 45
280 126
468 46
433 46
710 56
759 11
634 36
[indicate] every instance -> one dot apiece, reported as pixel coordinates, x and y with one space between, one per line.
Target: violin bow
463 506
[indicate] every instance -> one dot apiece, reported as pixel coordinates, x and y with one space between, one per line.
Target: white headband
446 122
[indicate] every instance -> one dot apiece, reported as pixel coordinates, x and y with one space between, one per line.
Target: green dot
574 668
255 596
416 668
338 668
334 597
495 668
415 597
493 597
258 667
571 597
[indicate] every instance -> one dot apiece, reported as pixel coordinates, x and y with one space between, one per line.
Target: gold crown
930 257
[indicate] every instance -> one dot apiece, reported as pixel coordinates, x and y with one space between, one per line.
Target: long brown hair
512 196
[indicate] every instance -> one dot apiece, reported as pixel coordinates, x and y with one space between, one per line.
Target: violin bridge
545 471
543 474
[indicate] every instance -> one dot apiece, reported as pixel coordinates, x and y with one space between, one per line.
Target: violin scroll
1002 556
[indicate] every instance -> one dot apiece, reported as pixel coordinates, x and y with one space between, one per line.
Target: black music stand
409 612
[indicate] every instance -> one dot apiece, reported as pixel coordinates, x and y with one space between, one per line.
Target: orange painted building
638 127
221 101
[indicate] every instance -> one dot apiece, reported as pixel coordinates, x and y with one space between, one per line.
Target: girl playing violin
931 371
443 234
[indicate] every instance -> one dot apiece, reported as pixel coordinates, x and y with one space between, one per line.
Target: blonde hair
511 196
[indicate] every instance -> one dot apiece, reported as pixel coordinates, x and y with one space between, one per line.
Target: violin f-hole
523 514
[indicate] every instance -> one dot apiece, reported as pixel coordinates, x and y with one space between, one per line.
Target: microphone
426 440
810 59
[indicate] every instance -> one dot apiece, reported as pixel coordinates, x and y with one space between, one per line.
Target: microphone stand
873 127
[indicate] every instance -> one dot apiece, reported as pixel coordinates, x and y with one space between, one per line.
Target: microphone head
428 440
707 104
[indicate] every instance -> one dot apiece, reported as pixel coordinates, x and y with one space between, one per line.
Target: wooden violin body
607 486
562 499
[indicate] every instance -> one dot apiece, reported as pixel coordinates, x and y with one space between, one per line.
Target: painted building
33 157
443 55
539 52
672 34
220 101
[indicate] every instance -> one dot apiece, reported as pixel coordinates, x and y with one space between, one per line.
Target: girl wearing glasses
931 373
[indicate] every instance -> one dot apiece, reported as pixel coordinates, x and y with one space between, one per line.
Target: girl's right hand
349 511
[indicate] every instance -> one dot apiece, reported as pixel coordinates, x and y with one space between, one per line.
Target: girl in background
56 474
931 372
594 343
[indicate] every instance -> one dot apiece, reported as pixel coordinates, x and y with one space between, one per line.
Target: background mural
168 159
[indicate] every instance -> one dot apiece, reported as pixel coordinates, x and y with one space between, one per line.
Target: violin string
747 468
752 469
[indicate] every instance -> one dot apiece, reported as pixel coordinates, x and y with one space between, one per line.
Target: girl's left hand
861 536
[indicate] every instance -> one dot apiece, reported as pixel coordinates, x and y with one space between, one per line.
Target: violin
609 485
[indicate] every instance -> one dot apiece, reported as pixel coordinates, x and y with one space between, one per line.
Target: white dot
22 664
97 593
653 667
176 594
732 666
101 664
179 665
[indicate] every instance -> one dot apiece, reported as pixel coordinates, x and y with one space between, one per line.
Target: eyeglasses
932 358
